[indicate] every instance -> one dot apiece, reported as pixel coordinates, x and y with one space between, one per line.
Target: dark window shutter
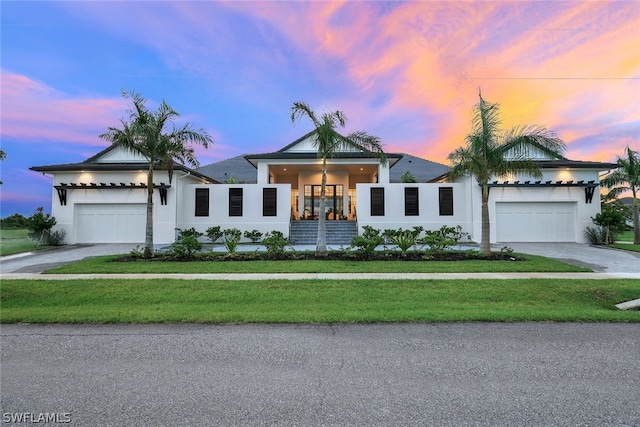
446 201
411 201
377 201
235 202
269 202
202 202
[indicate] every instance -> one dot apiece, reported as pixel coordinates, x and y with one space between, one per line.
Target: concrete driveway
599 259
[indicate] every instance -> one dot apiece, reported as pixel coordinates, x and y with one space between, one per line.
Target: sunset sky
408 72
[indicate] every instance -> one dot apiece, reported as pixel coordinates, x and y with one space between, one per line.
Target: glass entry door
334 199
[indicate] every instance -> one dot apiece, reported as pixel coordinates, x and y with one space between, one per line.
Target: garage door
536 222
110 223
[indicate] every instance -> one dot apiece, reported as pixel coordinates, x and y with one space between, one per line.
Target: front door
334 199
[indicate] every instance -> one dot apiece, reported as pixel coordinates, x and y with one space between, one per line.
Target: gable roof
92 164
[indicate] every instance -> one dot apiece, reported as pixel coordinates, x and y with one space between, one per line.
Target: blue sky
408 72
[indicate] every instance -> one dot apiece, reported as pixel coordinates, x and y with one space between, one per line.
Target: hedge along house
103 199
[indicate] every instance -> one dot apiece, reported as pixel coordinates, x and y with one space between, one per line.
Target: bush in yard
611 220
595 235
368 241
40 225
404 239
188 244
253 235
275 242
214 233
231 239
56 238
442 240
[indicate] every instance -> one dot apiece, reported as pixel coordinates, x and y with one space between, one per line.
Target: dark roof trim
309 155
575 164
535 184
98 167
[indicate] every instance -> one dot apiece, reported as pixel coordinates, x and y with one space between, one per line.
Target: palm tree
329 142
3 156
625 178
492 153
146 134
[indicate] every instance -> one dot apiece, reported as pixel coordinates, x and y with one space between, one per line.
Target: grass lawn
626 247
315 301
627 236
15 241
105 264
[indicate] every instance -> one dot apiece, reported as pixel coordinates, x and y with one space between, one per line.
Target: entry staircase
305 232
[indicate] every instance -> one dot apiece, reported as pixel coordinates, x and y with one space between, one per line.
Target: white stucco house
103 199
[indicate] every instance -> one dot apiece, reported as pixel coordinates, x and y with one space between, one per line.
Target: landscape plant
442 240
611 222
627 178
404 239
214 233
231 239
275 242
490 152
40 225
153 135
367 242
253 235
188 245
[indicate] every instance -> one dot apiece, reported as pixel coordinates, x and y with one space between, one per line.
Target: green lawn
627 236
15 241
105 264
315 301
626 247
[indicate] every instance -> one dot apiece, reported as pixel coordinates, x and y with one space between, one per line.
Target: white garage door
110 223
536 222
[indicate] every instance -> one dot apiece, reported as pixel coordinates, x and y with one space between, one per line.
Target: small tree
40 225
612 221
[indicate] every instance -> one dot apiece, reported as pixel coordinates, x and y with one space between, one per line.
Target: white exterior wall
164 216
251 218
428 199
576 195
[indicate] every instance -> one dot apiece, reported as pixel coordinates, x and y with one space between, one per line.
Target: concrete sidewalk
326 276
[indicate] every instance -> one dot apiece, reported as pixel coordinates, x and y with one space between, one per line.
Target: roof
91 164
237 168
423 170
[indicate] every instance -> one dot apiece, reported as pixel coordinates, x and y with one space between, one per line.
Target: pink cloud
35 111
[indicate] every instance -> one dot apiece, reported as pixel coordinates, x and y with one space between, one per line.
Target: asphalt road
482 374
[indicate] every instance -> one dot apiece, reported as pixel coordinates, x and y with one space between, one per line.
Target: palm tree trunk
636 220
321 244
148 242
485 246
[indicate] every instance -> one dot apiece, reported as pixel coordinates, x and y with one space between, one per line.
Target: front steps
305 232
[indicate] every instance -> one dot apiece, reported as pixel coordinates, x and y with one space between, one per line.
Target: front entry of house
334 195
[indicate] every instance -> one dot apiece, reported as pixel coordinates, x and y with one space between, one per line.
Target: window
377 201
411 201
235 202
202 202
446 201
269 202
